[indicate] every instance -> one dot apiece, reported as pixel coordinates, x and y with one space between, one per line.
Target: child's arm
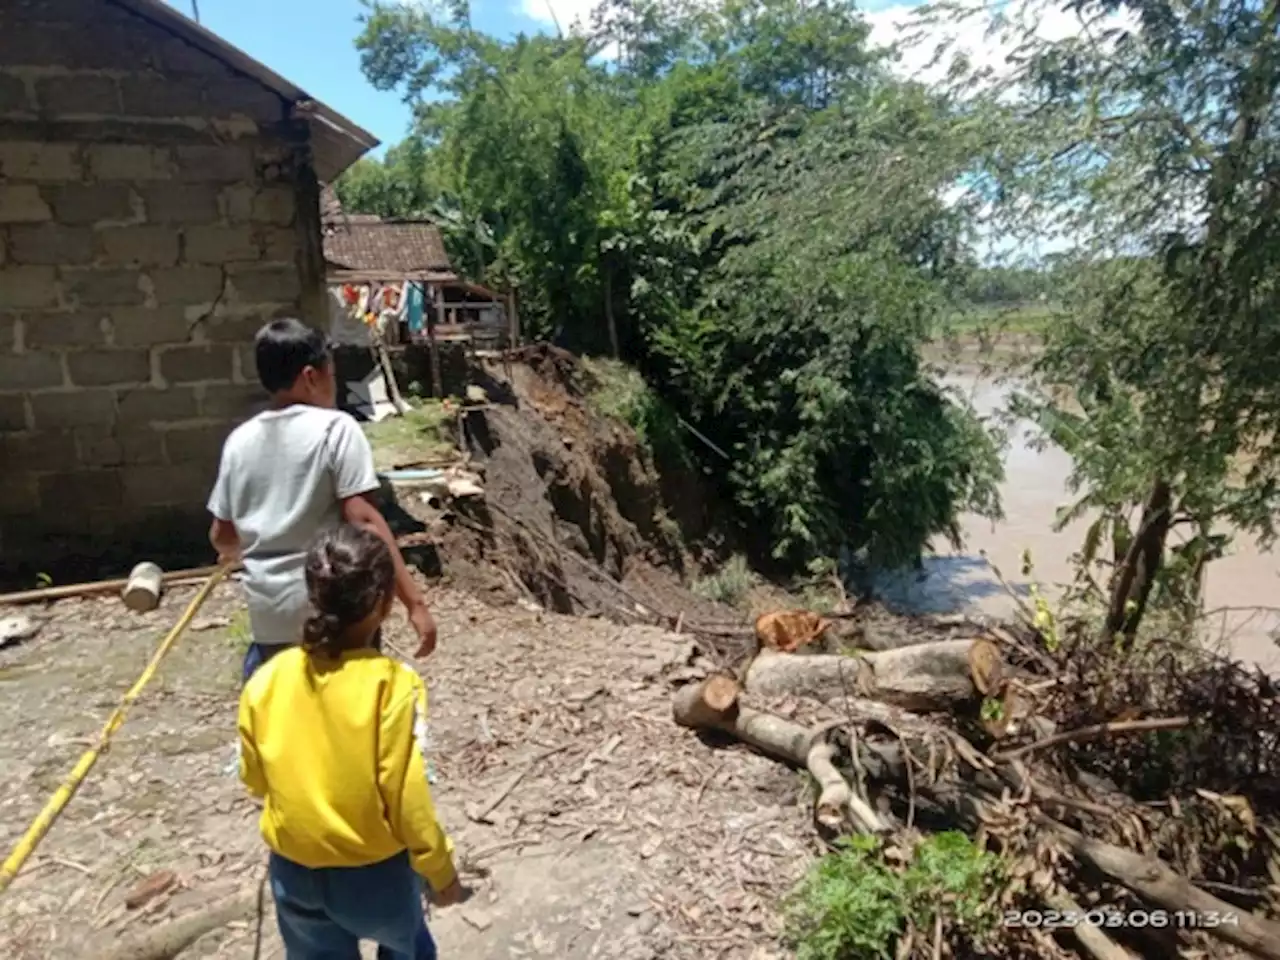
359 512
402 781
354 478
222 532
250 763
225 539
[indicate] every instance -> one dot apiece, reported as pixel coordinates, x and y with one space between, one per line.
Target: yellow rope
40 826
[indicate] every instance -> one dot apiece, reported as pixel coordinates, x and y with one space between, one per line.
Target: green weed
621 393
730 584
852 904
239 633
421 435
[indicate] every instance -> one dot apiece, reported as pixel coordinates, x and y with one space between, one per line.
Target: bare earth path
626 837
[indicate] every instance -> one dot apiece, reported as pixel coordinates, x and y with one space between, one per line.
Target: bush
730 584
620 392
853 905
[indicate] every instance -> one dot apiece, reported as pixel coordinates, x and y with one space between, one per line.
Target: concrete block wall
147 229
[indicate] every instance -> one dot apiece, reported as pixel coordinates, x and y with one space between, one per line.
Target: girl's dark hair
349 575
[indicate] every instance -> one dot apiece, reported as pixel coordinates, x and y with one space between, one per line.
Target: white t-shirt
281 480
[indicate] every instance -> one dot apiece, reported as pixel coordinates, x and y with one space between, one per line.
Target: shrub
852 904
730 584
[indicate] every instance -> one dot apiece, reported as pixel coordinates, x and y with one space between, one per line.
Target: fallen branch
482 812
167 941
1091 938
1095 732
1158 884
935 676
713 705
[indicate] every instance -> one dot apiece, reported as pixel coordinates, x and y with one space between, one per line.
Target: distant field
1001 318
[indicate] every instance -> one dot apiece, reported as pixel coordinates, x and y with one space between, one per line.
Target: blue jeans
260 653
323 914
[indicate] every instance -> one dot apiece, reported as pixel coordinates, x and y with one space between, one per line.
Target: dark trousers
324 914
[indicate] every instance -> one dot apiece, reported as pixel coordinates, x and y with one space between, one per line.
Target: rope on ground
62 796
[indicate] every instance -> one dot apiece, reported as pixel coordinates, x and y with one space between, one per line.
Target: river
1034 488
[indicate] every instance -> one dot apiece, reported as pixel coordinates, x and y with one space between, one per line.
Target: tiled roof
359 242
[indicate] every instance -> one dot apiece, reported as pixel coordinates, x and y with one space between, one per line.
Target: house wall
148 227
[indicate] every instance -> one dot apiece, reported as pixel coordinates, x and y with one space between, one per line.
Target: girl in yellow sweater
332 738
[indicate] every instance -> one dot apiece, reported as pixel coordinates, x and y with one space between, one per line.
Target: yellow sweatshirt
336 750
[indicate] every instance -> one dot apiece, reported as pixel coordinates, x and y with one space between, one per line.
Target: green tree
1151 138
747 206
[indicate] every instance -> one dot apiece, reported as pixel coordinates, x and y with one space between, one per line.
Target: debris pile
1131 795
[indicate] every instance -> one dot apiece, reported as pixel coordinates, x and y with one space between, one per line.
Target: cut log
927 677
167 941
1160 885
707 705
142 593
696 706
789 630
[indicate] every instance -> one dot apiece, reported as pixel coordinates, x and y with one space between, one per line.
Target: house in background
366 255
159 201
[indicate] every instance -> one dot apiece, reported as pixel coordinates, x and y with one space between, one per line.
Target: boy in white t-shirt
296 469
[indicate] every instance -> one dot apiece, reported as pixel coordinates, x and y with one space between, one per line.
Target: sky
311 43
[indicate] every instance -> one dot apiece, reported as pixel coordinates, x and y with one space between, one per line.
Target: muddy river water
1034 488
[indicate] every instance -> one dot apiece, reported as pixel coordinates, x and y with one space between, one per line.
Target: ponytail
350 574
322 634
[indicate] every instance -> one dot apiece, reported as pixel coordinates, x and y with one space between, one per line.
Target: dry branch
934 676
694 706
167 941
1098 731
1158 884
1091 939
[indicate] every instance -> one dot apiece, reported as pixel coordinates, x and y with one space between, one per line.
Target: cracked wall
148 227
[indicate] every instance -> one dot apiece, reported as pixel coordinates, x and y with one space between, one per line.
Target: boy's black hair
349 574
284 348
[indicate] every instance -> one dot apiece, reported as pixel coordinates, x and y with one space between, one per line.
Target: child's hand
425 626
453 894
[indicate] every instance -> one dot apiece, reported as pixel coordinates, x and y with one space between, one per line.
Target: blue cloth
415 313
258 654
324 914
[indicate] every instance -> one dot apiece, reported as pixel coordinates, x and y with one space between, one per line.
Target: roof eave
337 142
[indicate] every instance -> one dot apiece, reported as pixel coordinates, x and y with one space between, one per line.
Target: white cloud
986 49
565 13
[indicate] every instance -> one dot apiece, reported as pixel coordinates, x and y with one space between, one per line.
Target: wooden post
435 317
514 319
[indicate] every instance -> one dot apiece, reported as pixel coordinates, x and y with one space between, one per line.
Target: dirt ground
626 837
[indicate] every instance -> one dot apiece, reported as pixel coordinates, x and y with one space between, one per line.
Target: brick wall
147 228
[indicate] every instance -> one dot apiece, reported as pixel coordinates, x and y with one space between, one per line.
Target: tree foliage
741 200
1150 140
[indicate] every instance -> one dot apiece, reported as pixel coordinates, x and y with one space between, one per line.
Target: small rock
16 629
637 909
210 623
478 917
644 926
156 885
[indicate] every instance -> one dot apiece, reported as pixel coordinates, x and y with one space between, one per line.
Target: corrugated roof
336 142
356 242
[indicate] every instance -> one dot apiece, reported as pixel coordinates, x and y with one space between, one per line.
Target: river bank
1239 586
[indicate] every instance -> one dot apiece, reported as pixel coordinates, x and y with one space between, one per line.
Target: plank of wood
97 587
